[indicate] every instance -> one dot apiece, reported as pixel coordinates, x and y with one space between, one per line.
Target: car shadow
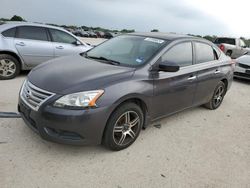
241 80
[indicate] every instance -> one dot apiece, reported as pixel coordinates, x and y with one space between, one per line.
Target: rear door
208 71
33 45
174 91
65 44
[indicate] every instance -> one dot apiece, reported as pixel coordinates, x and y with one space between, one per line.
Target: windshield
127 50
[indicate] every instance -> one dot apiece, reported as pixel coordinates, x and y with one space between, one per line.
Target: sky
203 17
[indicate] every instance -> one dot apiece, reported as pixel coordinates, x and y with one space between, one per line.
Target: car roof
164 36
11 24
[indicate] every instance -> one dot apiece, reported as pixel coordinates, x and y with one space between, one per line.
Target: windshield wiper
110 61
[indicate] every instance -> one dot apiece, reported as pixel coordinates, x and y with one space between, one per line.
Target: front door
64 44
175 91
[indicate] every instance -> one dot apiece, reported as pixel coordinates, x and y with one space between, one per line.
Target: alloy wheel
126 128
218 97
7 68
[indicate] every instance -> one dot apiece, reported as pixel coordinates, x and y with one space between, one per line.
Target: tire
229 53
122 131
218 97
9 67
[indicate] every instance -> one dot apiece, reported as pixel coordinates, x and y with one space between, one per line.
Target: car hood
75 74
245 59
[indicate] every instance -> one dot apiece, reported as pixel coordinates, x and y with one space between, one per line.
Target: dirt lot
194 148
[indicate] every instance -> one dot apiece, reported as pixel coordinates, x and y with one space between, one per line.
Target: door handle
217 72
20 44
59 47
192 78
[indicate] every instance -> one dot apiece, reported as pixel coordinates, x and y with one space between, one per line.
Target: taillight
222 47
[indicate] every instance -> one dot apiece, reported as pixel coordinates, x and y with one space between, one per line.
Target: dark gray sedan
108 94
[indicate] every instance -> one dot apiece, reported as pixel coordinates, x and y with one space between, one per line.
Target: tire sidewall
220 84
108 140
18 67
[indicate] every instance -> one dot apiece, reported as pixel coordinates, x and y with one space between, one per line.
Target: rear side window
181 54
33 33
62 37
204 53
225 40
9 33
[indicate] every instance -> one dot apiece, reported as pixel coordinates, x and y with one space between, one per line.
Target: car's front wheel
9 67
123 127
218 96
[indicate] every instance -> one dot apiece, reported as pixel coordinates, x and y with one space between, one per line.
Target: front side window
181 54
9 33
61 37
128 50
33 33
204 53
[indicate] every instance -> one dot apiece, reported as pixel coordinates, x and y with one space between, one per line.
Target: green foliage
17 18
154 30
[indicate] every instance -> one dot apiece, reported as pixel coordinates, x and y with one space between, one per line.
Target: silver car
242 69
24 45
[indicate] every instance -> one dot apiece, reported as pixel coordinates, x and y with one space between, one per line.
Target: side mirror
77 43
168 67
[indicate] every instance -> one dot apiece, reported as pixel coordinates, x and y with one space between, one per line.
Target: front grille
33 96
244 66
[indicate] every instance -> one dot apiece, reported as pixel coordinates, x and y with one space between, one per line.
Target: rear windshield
225 40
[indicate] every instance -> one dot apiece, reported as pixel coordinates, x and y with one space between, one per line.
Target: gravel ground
194 148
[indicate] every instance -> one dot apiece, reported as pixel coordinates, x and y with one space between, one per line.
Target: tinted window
225 40
62 37
204 53
33 33
180 54
10 32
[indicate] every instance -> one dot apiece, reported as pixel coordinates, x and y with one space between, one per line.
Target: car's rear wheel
123 127
218 96
9 67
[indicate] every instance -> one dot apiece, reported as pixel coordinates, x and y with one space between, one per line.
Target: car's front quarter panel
139 86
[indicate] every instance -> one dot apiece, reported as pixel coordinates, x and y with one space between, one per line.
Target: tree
17 18
155 30
210 38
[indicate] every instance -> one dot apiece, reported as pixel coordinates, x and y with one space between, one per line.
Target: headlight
79 100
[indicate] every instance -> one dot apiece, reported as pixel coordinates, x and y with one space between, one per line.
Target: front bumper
242 73
76 127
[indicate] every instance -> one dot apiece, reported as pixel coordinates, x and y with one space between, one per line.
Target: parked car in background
109 93
92 34
233 47
81 33
25 45
100 34
242 69
108 35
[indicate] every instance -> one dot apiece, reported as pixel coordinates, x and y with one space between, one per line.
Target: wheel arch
133 99
225 81
14 55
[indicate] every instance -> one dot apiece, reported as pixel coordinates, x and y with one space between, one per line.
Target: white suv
24 45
